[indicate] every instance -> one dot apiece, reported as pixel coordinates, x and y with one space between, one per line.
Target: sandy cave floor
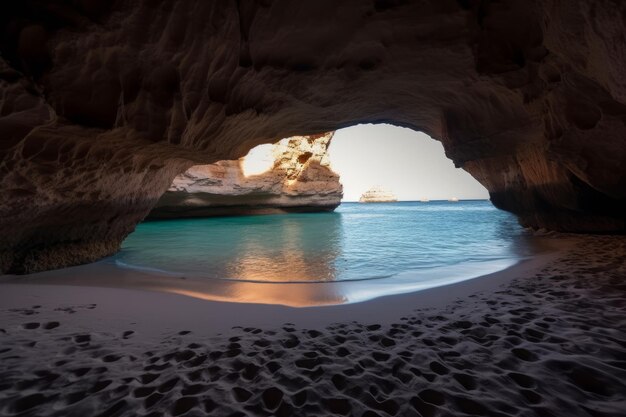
547 343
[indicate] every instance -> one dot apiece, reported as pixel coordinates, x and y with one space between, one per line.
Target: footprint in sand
183 405
467 381
338 406
168 385
241 395
272 398
111 358
82 338
80 371
142 392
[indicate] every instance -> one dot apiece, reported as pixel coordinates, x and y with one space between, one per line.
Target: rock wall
299 180
105 102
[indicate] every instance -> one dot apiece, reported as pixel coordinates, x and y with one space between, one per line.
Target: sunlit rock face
293 176
104 103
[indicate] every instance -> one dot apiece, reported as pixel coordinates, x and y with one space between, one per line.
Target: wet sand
544 338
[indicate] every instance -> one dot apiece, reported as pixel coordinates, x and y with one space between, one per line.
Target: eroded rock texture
105 102
299 179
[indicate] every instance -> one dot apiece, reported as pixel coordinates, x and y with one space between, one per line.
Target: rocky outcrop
104 103
377 195
300 179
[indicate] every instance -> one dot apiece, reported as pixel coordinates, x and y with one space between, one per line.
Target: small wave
450 273
159 271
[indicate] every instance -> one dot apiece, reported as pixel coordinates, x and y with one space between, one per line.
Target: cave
104 103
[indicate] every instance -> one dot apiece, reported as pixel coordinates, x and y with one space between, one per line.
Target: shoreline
230 297
545 337
218 316
108 274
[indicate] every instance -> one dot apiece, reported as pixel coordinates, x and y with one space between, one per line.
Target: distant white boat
377 195
454 200
424 200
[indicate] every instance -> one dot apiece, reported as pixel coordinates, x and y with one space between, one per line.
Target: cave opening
434 224
408 163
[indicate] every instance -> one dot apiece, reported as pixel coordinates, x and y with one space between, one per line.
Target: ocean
376 241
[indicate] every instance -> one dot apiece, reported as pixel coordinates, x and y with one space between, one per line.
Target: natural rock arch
103 103
296 178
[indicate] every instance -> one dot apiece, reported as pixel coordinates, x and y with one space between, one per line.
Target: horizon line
420 201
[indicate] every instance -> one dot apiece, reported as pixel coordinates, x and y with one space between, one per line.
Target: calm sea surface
356 242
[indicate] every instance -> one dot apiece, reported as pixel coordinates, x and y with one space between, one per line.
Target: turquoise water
356 242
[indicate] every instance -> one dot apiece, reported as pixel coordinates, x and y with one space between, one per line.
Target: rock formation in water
300 179
104 102
377 195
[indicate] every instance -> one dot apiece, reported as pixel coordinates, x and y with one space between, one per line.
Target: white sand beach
545 337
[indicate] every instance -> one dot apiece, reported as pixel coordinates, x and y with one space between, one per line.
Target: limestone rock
103 103
299 179
377 194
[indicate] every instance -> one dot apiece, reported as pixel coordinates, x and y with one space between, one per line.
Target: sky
408 163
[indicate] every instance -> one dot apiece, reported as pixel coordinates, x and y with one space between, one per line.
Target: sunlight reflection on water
358 241
359 253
